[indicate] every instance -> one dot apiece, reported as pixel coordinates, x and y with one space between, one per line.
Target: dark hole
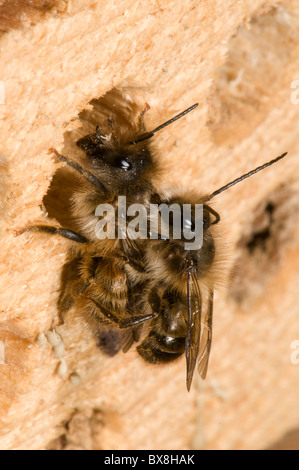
259 238
269 231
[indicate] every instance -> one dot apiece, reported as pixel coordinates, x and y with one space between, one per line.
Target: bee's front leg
90 177
63 232
121 322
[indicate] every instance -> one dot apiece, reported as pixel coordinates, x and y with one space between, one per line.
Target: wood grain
238 60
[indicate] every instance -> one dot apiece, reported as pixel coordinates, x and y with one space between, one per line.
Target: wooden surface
238 61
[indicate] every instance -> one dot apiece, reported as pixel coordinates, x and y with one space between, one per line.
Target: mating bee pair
120 285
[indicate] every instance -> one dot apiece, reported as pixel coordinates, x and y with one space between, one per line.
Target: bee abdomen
157 349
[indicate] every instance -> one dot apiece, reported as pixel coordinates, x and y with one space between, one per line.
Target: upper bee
120 159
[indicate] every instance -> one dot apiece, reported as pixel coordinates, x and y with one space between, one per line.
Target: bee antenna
243 177
149 135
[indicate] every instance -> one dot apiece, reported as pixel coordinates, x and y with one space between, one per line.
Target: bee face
120 162
170 258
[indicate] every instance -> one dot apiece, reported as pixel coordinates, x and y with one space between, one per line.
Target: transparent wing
129 337
206 336
194 326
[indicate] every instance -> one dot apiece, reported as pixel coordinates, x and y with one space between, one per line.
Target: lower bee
98 285
185 280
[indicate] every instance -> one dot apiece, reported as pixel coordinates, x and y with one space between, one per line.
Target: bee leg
122 322
132 321
214 213
133 263
91 178
70 291
71 286
64 232
127 322
67 298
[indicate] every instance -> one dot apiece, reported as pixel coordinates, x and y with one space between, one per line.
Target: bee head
188 243
126 165
125 160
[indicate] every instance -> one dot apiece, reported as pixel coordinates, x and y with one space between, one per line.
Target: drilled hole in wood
263 243
121 106
247 86
80 432
118 105
15 13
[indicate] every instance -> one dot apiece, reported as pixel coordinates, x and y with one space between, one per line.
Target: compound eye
188 224
125 165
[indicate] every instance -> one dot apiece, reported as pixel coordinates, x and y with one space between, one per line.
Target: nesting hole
262 245
121 105
15 13
246 87
80 432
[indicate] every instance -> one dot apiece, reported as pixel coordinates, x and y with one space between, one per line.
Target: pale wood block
238 61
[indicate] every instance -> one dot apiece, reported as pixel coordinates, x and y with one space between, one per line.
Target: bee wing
129 337
206 336
194 326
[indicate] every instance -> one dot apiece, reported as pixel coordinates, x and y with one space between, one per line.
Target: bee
184 280
106 278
